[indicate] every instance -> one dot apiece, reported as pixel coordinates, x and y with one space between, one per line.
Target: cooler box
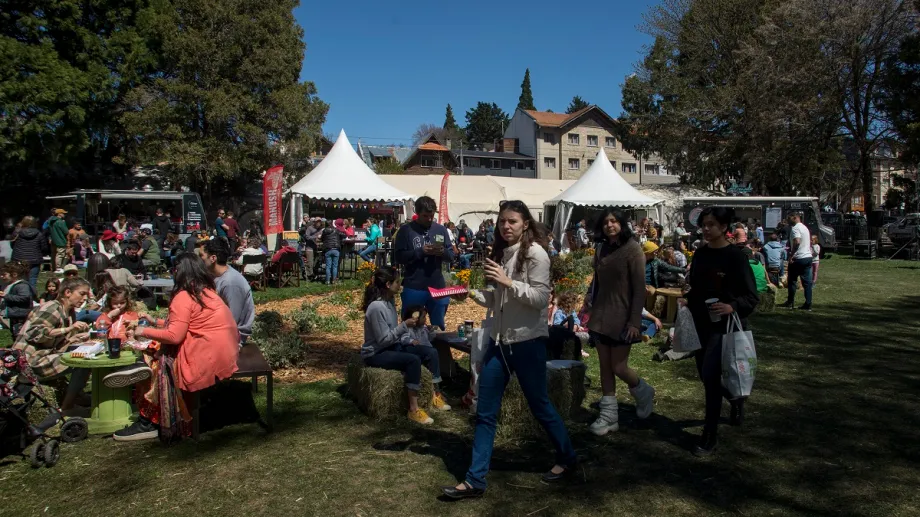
865 249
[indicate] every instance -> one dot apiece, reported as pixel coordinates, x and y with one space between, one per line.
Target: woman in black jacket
17 295
30 247
718 271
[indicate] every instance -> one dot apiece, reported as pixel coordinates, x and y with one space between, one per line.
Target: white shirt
803 251
250 269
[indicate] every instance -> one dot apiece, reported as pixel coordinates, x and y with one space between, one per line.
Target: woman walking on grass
614 303
718 271
519 266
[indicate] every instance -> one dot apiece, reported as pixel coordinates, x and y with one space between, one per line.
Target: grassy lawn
832 429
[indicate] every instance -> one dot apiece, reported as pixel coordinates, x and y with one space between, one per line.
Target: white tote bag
685 337
739 359
479 344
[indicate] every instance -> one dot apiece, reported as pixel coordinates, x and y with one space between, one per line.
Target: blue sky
386 67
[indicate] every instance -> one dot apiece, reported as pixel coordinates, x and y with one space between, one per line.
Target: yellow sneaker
420 417
438 402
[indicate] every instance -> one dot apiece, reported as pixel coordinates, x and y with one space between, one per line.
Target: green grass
831 429
305 289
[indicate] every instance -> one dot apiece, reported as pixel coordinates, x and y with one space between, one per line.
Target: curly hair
535 233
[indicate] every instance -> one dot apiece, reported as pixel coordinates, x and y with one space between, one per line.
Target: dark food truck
98 209
769 211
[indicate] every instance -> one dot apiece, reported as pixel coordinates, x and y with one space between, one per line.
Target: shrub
304 319
267 324
365 272
341 298
477 278
559 268
331 324
283 350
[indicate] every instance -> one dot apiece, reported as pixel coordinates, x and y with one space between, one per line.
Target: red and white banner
272 212
443 216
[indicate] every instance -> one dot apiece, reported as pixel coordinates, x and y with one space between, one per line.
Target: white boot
645 397
607 420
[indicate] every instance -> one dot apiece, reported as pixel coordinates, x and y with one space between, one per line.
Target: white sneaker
645 399
608 420
127 376
58 271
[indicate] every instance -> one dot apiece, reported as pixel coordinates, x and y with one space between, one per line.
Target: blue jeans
436 308
528 360
88 317
369 250
800 268
332 265
409 360
648 328
465 260
33 275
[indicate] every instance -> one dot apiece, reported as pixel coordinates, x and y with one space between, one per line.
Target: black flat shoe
550 477
707 445
466 493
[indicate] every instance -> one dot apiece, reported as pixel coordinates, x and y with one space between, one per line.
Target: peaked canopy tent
601 186
343 176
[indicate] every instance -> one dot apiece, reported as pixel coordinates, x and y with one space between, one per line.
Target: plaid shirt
42 350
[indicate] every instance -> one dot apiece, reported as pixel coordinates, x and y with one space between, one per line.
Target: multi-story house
431 157
565 145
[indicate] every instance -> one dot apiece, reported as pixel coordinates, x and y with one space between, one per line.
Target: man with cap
59 230
108 244
150 250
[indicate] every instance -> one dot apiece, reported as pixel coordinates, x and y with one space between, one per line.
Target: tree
449 122
577 104
485 124
525 101
226 101
899 97
424 131
903 194
389 166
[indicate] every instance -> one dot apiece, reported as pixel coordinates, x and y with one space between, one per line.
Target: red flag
443 216
272 214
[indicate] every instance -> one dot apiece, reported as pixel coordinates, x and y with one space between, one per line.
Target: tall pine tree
485 124
450 123
577 104
525 101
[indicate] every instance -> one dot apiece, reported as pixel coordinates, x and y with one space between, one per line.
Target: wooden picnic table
443 342
111 407
672 294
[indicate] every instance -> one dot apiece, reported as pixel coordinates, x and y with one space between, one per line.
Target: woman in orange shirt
199 346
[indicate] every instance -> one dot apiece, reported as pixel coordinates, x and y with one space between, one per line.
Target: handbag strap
733 322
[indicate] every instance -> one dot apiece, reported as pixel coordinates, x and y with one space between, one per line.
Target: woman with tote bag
721 286
519 267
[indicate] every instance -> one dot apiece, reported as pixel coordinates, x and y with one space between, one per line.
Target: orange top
208 339
117 327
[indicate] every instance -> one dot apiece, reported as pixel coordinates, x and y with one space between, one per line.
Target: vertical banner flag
443 216
272 214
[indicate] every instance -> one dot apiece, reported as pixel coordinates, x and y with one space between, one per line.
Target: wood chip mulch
328 353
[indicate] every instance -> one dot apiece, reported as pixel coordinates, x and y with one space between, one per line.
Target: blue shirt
219 223
373 234
559 317
759 231
775 253
422 271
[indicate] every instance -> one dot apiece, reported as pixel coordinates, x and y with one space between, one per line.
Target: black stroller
17 396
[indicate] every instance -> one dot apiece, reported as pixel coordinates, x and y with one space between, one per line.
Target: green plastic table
111 406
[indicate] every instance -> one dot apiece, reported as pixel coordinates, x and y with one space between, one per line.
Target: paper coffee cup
713 317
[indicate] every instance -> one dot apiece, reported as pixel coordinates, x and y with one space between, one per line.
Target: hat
109 235
59 211
649 247
147 226
70 267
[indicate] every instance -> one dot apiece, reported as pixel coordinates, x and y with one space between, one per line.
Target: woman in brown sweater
614 303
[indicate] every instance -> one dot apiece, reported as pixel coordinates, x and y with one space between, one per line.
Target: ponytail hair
377 288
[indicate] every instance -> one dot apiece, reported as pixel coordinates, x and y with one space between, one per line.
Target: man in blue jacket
421 247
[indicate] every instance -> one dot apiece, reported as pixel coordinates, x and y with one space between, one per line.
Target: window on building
471 162
519 165
574 138
590 163
432 160
651 168
613 163
629 168
495 164
610 142
549 138
549 163
574 164
592 140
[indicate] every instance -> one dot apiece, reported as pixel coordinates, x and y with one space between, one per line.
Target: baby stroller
17 396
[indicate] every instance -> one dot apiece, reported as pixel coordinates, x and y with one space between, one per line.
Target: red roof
431 146
547 119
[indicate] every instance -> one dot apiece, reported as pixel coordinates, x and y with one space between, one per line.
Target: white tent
343 176
476 198
600 186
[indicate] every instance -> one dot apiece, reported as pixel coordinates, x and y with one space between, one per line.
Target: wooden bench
250 364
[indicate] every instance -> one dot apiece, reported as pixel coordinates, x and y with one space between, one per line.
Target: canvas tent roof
343 175
476 198
602 185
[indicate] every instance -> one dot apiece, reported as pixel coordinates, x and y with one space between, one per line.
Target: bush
341 298
269 322
283 350
331 324
305 319
477 278
365 273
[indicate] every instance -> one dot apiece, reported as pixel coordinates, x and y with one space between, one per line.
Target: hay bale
767 300
566 389
381 394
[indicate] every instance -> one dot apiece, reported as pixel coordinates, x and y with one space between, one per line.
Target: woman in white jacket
520 269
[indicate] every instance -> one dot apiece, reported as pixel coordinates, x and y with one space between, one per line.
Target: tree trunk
865 173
